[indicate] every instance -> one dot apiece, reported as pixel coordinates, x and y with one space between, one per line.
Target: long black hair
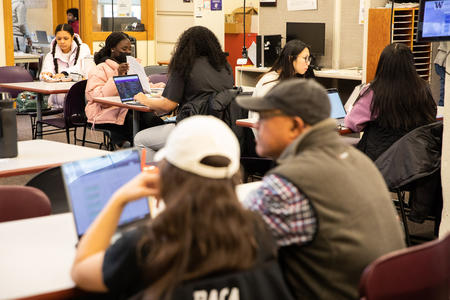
402 100
111 41
284 62
69 29
195 42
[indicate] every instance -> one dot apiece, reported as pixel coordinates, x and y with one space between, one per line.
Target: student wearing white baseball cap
204 232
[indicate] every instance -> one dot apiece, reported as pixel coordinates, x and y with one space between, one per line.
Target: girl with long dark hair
397 101
111 61
67 52
203 231
198 68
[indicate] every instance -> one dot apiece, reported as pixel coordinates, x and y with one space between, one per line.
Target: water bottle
8 127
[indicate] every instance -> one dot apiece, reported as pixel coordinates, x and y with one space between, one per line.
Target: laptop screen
91 182
337 108
128 86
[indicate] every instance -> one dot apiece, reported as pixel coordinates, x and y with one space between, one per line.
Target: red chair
22 202
419 272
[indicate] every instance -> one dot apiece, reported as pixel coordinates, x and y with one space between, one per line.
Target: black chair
156 69
74 116
20 74
50 181
412 164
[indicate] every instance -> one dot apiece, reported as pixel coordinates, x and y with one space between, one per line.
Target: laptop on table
128 86
337 108
90 183
42 37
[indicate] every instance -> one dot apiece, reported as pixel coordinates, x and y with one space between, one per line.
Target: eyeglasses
264 115
307 59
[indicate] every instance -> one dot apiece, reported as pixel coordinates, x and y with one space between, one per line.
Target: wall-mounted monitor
434 21
312 34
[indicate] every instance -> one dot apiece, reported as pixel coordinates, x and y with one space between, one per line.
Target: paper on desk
301 4
136 68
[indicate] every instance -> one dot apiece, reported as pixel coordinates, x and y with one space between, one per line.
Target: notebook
42 37
128 86
90 183
337 108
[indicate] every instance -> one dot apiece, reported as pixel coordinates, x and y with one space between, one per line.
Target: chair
413 164
419 272
74 117
156 78
20 202
156 69
50 182
20 74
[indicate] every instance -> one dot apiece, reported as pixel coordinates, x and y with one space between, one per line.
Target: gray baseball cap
294 97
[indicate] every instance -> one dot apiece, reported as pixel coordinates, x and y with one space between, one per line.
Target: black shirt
202 82
122 272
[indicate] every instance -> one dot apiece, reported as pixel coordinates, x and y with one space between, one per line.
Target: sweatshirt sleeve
99 84
361 113
47 65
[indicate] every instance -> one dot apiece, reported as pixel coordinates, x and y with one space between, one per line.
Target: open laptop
128 86
337 108
42 37
91 182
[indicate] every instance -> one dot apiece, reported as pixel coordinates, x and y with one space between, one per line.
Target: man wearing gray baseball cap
326 203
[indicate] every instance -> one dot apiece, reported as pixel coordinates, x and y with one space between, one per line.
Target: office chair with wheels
21 202
416 273
50 182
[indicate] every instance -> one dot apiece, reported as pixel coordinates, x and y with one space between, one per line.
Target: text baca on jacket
223 294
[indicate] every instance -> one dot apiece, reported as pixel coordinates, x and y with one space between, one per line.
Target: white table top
37 155
36 255
41 86
18 54
350 74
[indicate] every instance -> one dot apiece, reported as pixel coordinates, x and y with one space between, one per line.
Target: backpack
26 102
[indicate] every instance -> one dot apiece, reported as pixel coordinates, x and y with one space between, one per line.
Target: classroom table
41 88
36 255
21 57
37 155
115 101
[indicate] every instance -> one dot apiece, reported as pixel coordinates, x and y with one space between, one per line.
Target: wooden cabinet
404 30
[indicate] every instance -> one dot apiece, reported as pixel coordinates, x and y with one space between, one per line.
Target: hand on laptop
143 185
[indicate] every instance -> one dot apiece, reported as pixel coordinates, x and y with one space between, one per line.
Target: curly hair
111 41
195 42
69 29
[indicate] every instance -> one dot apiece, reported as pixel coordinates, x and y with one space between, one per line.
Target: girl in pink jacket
111 61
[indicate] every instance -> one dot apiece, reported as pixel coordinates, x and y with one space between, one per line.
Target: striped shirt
285 210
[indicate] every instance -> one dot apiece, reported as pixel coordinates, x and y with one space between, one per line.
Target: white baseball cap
196 138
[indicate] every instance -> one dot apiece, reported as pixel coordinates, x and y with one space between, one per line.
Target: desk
36 254
115 101
37 155
20 58
249 75
41 88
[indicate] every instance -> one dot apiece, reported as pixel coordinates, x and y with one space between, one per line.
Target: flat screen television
312 34
434 21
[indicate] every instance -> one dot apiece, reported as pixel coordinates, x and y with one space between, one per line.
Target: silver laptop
337 107
91 182
128 86
42 37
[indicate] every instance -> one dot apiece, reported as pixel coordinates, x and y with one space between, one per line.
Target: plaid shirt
285 210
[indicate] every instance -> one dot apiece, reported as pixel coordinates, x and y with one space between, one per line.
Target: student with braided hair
67 52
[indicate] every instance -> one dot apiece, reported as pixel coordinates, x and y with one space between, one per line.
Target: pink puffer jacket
101 84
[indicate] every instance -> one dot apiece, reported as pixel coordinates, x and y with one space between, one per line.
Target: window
117 15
